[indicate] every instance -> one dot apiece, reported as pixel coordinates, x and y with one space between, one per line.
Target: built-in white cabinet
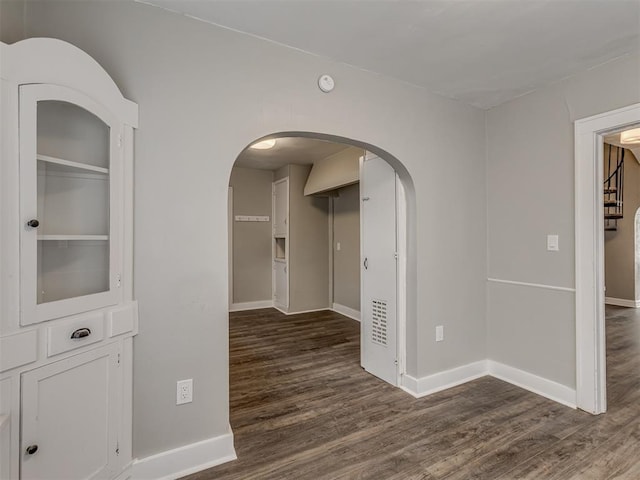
67 309
280 280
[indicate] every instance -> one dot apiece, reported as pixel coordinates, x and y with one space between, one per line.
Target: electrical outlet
439 333
184 391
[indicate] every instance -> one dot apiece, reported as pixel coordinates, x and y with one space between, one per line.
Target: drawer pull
31 449
80 333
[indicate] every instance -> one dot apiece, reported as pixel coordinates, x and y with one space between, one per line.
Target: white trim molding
535 285
346 311
622 302
589 251
185 460
539 385
423 386
240 307
326 309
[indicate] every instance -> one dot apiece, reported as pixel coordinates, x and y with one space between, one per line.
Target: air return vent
379 322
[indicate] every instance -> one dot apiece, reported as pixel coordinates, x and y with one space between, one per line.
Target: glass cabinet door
69 187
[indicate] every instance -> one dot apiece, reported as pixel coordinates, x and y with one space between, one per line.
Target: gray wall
346 261
11 20
252 246
620 245
205 93
530 193
281 173
308 245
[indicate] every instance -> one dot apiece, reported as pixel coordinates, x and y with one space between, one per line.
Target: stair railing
614 188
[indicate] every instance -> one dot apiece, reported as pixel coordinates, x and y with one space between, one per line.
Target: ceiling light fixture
630 136
264 144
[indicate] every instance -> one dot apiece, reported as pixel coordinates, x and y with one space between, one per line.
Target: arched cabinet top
48 60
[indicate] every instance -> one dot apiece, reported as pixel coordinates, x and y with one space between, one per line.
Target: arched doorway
404 228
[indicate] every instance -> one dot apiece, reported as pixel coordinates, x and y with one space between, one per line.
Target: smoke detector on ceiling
326 83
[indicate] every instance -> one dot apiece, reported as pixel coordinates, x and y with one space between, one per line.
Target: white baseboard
622 302
346 311
185 460
325 309
420 387
239 307
542 386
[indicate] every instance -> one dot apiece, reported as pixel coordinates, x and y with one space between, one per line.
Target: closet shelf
62 165
73 237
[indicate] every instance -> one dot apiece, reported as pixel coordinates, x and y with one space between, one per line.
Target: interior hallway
302 408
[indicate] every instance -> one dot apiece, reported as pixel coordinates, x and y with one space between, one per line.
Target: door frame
230 220
401 298
591 394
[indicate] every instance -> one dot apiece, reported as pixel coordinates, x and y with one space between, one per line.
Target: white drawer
86 330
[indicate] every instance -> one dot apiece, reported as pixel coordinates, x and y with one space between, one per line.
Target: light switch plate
552 243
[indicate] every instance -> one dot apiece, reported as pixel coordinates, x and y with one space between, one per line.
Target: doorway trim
230 244
591 394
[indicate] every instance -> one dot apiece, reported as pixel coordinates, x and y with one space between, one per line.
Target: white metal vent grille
379 322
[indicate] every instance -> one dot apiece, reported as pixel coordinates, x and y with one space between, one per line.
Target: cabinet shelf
68 166
73 237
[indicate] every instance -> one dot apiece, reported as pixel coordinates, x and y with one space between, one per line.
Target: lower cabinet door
281 285
70 411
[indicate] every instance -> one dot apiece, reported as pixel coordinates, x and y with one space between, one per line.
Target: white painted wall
346 261
308 245
252 241
530 192
204 94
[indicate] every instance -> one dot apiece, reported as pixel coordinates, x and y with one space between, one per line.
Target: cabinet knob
31 449
81 333
33 223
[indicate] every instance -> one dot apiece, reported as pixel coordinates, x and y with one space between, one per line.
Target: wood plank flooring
302 408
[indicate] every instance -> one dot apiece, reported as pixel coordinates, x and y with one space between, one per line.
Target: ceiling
482 52
614 139
289 150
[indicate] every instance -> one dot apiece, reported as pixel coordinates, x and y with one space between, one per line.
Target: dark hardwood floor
302 408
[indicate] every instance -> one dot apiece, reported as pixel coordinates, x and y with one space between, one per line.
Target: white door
70 203
69 417
280 207
379 349
281 285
